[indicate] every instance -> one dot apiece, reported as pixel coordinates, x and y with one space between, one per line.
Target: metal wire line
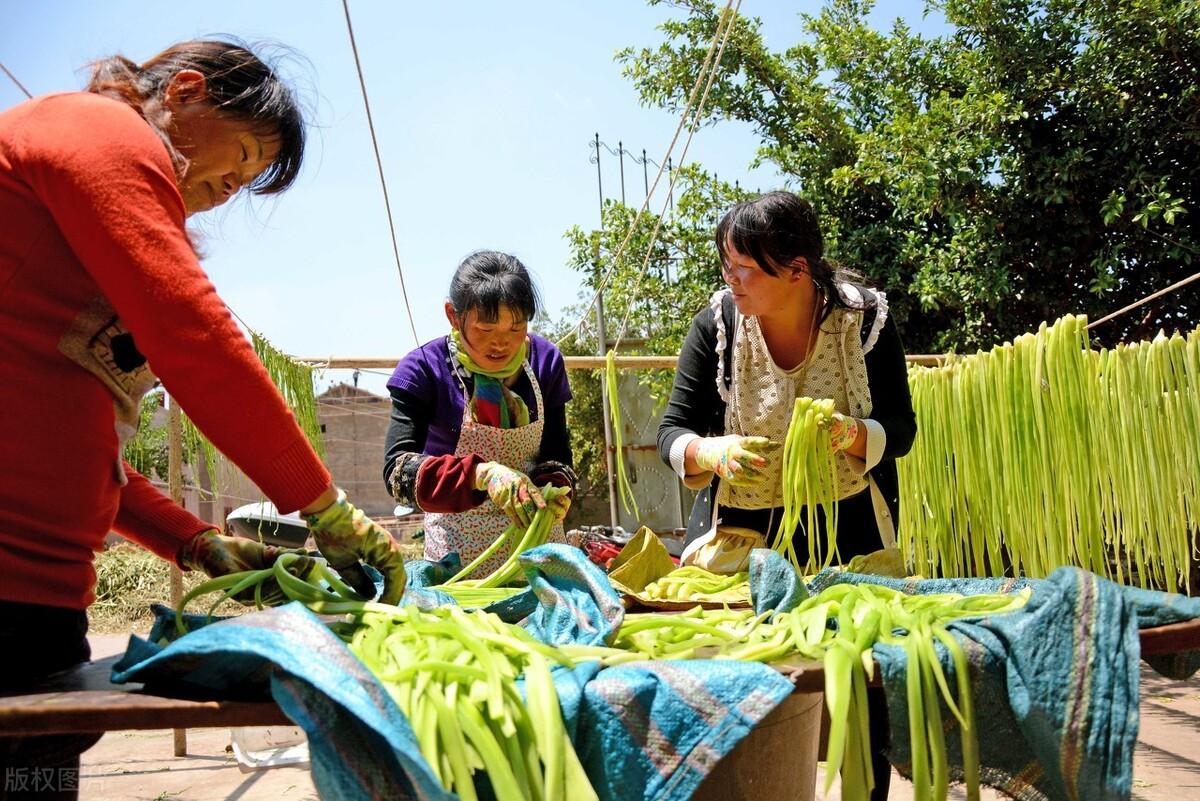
700 77
729 18
362 82
1145 300
13 78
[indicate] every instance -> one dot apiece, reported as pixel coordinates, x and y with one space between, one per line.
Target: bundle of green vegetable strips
455 675
518 541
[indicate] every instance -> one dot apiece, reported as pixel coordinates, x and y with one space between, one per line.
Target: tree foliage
1041 157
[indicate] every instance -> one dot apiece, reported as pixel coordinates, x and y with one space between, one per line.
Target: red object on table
602 553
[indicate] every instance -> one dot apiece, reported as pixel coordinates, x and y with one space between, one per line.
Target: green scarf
493 403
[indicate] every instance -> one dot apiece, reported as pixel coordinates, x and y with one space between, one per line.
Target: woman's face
490 345
757 293
223 153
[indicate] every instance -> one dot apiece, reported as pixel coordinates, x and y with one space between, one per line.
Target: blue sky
483 110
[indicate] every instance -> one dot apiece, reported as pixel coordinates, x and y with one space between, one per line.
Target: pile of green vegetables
454 673
693 583
1043 452
839 627
809 482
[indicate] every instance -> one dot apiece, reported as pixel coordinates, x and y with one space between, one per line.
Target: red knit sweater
95 272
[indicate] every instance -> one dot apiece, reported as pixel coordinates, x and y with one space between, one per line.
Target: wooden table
84 700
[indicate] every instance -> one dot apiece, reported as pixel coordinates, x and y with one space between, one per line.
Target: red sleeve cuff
447 484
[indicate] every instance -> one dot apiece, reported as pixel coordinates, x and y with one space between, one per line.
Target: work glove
559 505
511 490
738 460
843 430
219 555
345 536
555 474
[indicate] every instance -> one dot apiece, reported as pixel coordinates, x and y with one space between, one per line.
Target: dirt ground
139 765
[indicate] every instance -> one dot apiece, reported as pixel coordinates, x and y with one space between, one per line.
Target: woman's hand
559 506
218 555
345 536
739 460
843 431
511 490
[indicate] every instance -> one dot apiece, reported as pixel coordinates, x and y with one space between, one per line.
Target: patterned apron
469 533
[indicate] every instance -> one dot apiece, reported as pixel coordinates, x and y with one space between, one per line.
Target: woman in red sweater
99 286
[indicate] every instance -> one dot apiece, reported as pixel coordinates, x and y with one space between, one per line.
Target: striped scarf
493 403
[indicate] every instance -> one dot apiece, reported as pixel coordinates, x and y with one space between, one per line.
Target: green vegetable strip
614 411
809 480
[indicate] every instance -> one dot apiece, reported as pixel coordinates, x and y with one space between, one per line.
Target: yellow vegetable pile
692 583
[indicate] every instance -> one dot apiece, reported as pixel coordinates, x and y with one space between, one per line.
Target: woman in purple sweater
478 418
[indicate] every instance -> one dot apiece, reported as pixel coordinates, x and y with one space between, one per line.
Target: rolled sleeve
876 442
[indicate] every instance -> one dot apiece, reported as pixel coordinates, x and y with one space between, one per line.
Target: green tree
1041 157
650 295
146 450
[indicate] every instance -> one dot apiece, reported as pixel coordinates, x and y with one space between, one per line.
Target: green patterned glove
511 490
738 460
218 555
559 504
346 536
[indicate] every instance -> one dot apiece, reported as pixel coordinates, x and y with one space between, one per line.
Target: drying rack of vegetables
1044 452
455 673
614 409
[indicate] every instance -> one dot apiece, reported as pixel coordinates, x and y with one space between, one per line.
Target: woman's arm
151 519
694 402
105 177
892 426
430 483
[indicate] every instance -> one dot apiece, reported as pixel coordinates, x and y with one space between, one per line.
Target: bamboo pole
175 489
572 362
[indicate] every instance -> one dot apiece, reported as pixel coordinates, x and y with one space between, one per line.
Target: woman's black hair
487 280
239 82
775 229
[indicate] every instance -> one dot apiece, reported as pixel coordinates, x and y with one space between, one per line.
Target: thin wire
731 16
708 57
13 78
1145 300
362 82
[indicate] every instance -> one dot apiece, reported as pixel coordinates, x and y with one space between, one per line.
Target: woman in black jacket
788 325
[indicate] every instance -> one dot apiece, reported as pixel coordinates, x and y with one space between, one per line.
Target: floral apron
469 533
